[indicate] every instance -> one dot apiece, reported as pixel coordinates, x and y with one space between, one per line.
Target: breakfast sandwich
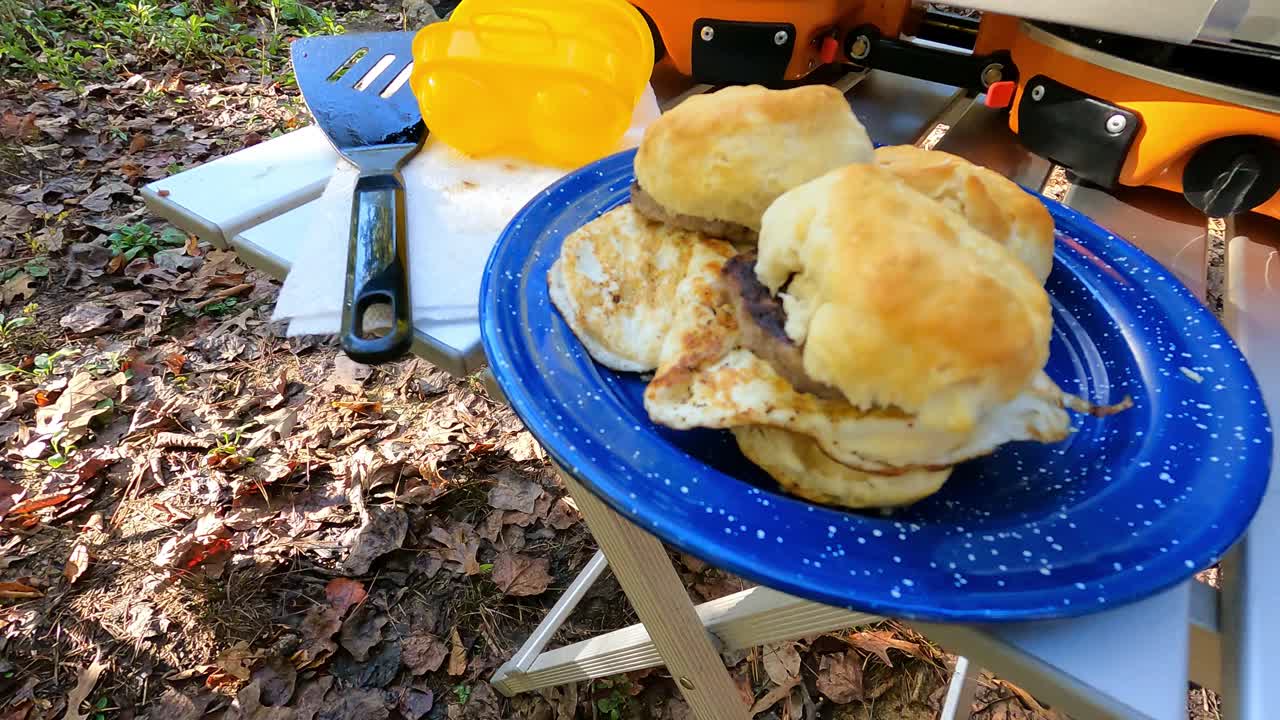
877 337
715 162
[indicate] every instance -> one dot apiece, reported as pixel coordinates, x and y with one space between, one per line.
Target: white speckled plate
1127 506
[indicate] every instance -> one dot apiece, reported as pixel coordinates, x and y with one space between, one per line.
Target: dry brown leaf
12 590
521 575
143 622
237 660
361 631
840 677
415 704
18 287
383 530
77 406
84 685
457 653
342 593
76 564
460 546
878 642
40 503
512 492
311 698
175 705
563 515
277 678
88 319
782 663
771 698
202 545
318 628
422 653
1024 697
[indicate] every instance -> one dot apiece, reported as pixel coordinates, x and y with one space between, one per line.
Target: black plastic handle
377 270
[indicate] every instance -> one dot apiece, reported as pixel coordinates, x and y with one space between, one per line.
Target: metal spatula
357 88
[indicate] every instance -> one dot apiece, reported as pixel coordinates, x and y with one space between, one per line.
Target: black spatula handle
376 269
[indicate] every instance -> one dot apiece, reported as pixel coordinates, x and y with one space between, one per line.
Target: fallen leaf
481 705
878 642
782 663
1024 697
18 287
348 375
423 653
76 564
512 492
461 543
310 698
414 705
563 515
40 503
18 711
143 622
84 685
317 628
356 704
248 706
522 575
137 143
13 590
342 593
277 678
203 544
361 631
175 362
840 677
457 654
377 672
771 698
85 398
383 530
175 705
563 700
360 407
88 318
237 660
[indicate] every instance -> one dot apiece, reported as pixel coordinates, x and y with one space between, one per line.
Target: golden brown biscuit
899 302
988 200
724 156
800 467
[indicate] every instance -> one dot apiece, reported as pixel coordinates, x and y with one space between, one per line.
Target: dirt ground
202 518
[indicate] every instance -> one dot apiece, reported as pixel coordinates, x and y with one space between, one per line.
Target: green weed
141 239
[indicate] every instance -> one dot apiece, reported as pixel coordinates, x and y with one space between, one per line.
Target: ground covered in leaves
202 518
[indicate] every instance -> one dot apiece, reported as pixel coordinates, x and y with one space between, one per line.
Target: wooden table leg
659 597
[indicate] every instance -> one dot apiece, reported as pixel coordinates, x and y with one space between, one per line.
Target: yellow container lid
551 81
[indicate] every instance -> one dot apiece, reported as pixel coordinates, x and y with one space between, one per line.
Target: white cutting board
456 208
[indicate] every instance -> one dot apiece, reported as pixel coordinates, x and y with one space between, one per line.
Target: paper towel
456 208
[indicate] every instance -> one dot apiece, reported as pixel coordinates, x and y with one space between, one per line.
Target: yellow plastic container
550 81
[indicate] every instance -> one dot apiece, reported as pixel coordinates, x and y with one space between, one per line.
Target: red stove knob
1000 94
829 50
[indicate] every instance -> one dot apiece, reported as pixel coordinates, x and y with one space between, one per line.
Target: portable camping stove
1201 118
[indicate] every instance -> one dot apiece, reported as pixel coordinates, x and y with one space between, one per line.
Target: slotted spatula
356 87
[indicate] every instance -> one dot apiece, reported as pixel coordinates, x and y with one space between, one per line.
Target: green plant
42 365
61 452
227 450
220 308
10 324
141 239
616 704
462 691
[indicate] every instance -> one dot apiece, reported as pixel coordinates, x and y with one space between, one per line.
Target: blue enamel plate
1127 506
